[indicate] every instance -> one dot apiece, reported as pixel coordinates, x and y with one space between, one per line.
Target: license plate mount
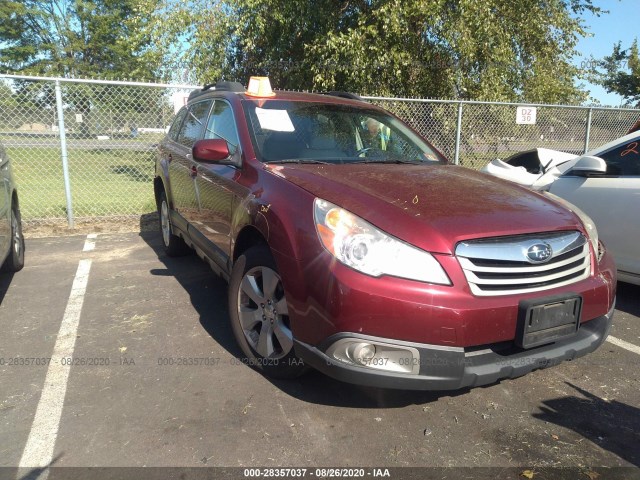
546 320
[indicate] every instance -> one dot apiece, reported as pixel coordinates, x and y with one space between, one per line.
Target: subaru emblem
539 253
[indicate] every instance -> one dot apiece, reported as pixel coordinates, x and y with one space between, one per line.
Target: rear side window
193 125
175 126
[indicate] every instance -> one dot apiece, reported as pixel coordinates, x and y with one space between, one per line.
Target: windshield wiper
297 160
388 160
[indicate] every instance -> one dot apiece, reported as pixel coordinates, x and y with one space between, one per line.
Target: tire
174 246
15 260
259 315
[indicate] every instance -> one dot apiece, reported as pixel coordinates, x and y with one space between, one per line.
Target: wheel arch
249 236
158 188
14 199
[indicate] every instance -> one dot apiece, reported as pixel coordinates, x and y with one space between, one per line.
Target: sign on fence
526 115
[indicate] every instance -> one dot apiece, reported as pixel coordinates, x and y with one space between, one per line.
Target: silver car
11 238
604 183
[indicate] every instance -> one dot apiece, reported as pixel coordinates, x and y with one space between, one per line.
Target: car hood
432 207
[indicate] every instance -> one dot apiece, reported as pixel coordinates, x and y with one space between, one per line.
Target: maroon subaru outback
352 246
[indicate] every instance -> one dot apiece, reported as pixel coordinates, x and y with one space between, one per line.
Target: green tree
469 49
74 38
103 39
621 73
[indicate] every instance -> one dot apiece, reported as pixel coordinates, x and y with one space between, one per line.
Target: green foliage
75 38
468 49
621 73
106 39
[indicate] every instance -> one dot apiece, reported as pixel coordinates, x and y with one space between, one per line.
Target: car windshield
312 132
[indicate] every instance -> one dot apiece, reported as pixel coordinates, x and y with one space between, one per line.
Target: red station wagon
352 246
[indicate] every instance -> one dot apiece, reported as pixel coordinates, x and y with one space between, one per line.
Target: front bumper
452 368
326 298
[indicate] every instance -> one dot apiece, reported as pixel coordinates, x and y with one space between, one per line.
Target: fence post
456 155
588 133
63 150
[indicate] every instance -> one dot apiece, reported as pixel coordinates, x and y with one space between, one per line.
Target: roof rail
218 86
349 95
229 86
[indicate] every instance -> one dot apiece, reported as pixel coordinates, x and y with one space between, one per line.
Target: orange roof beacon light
260 87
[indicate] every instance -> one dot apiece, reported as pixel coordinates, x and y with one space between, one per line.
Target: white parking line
38 452
90 242
622 344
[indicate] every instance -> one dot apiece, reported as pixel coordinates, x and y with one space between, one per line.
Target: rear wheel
15 260
173 244
260 315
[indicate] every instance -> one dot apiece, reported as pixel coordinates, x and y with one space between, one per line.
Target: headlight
587 221
361 246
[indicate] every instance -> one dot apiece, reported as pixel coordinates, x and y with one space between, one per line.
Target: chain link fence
104 136
477 132
110 135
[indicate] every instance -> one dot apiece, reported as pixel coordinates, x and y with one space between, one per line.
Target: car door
217 184
5 207
168 150
612 201
182 168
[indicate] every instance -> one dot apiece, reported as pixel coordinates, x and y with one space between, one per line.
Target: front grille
499 266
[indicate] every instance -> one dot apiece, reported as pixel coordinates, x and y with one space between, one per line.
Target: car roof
328 98
307 97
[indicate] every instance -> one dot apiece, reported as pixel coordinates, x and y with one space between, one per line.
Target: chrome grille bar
500 266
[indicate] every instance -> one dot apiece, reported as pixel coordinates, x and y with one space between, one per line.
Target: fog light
362 352
377 355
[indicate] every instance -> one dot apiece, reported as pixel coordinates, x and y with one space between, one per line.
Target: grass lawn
103 182
106 181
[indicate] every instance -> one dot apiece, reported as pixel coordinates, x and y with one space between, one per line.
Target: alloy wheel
263 313
165 224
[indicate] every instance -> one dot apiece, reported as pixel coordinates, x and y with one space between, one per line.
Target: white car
604 183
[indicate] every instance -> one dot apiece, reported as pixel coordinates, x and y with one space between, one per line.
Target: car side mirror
211 151
589 165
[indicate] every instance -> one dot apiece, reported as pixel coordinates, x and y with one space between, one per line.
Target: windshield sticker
276 120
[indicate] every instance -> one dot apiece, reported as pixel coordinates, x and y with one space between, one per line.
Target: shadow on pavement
628 299
36 473
612 425
5 281
208 295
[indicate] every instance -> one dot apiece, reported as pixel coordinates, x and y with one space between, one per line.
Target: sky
620 24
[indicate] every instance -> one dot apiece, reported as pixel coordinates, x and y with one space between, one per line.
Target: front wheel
260 315
15 260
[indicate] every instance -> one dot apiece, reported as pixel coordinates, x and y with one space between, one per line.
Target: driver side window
222 125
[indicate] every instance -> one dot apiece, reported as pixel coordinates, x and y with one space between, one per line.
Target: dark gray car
11 239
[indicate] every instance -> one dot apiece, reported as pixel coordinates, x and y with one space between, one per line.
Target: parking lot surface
145 372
